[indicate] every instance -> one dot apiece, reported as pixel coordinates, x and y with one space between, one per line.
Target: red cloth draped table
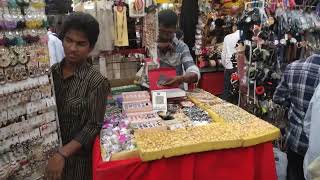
252 163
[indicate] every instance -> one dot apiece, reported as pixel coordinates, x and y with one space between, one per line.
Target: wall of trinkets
28 121
273 36
214 23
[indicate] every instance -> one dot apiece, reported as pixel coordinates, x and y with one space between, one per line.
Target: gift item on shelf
28 119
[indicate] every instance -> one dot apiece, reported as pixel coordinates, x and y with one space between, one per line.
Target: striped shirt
181 59
81 107
295 90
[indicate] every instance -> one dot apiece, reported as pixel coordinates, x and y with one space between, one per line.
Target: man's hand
55 167
174 82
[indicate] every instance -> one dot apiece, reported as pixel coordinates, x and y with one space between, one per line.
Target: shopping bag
281 163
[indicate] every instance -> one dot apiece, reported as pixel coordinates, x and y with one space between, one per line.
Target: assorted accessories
271 41
28 118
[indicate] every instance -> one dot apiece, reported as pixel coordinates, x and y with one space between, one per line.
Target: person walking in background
228 50
56 51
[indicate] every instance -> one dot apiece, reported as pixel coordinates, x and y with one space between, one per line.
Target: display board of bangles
29 130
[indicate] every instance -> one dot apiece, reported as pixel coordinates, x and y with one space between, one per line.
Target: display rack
29 128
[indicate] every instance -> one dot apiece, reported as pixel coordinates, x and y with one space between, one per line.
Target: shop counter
212 80
251 163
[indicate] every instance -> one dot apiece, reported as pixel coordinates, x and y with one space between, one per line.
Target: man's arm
192 74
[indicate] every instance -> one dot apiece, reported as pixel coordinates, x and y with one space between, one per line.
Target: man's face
166 35
76 46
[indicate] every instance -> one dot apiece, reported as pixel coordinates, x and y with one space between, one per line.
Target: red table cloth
252 163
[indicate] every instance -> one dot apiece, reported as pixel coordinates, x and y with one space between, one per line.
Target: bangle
61 154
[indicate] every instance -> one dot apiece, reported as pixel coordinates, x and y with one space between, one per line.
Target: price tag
159 101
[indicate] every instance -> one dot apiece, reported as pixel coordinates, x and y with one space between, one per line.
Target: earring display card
29 129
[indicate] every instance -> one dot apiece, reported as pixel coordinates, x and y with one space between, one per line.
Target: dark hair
168 18
179 34
219 22
81 22
51 21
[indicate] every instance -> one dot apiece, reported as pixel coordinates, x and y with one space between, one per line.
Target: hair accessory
260 90
22 3
44 39
10 41
12 4
10 25
2 27
21 24
3 3
45 23
31 39
2 42
38 5
20 41
23 58
13 57
3 79
4 60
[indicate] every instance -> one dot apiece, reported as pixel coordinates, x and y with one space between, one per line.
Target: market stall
255 162
198 137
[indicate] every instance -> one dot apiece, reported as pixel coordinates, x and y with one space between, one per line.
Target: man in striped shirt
173 52
80 94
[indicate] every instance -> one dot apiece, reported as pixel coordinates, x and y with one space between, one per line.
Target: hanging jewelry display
136 8
28 120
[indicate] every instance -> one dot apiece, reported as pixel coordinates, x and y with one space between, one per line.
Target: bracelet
61 154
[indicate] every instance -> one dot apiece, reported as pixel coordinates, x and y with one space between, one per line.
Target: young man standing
80 95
